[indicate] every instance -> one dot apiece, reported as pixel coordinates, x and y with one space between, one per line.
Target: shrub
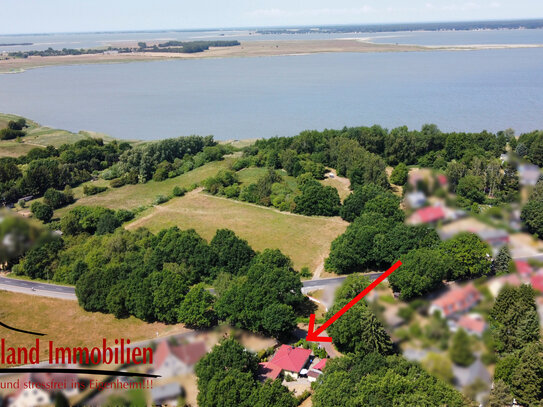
179 191
93 189
160 199
117 182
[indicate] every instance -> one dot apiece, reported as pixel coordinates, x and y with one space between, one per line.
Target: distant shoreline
474 25
246 49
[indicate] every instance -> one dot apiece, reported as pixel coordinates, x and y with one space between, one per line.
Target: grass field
40 136
342 185
67 324
133 196
305 239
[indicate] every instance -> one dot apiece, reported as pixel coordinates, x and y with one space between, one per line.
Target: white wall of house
172 367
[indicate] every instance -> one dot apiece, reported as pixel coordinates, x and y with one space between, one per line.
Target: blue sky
36 16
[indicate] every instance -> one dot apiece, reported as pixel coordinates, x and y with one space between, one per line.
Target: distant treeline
458 26
170 46
14 44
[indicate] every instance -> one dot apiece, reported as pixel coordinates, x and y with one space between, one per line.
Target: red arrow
313 336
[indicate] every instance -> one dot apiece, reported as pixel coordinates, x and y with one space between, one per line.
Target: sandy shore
246 49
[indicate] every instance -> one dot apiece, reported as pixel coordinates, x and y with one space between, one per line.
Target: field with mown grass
134 196
67 324
305 239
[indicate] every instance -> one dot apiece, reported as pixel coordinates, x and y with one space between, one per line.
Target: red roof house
473 324
442 179
268 371
290 360
172 360
537 282
428 215
456 300
320 365
523 268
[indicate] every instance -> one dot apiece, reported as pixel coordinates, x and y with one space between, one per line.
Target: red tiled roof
269 371
458 299
523 267
442 179
537 282
188 354
291 359
320 365
472 324
430 214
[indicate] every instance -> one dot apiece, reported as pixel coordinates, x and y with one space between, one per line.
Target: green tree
233 254
399 174
502 262
422 271
439 366
196 310
358 330
532 216
527 378
536 151
272 394
472 188
461 352
317 199
470 256
227 356
41 211
354 204
351 287
500 395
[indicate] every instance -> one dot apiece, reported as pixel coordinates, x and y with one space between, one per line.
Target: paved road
41 289
68 293
334 280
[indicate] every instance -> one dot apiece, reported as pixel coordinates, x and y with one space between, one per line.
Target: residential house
523 269
528 174
316 370
430 214
537 282
497 283
473 324
415 199
167 394
287 360
494 237
44 388
456 301
173 360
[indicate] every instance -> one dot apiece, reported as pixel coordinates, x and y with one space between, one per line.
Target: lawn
67 324
134 196
305 239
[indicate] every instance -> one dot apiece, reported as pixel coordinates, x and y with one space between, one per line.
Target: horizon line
245 28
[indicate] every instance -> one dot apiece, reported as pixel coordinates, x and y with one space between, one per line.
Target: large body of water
236 98
91 40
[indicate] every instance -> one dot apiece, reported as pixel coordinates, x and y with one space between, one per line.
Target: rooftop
291 359
189 353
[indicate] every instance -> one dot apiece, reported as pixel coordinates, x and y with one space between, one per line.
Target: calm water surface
262 97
